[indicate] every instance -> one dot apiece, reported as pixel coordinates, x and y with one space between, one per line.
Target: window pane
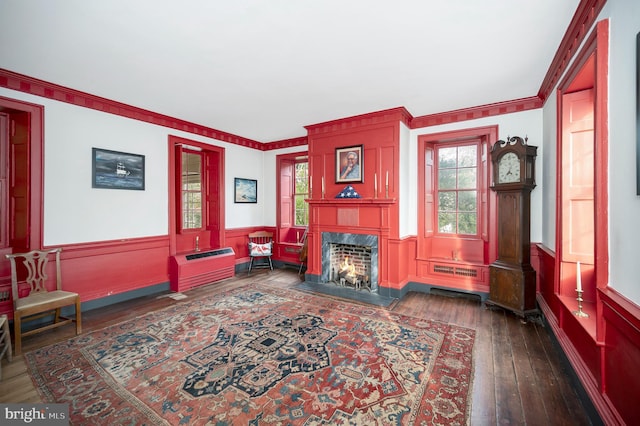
467 156
447 157
302 181
191 190
457 189
447 223
467 201
446 201
467 178
302 210
467 223
447 179
191 171
301 192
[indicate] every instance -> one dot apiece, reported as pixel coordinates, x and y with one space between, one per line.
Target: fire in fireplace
350 260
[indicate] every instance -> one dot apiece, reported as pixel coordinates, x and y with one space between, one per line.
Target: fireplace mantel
371 218
349 201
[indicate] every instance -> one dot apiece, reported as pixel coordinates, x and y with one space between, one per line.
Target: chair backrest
260 243
35 262
304 249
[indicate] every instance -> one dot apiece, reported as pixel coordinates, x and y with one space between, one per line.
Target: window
191 190
457 189
301 192
292 191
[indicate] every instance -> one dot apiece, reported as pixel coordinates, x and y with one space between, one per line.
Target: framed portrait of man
349 164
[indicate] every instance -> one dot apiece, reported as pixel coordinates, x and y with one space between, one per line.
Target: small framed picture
349 164
245 190
117 170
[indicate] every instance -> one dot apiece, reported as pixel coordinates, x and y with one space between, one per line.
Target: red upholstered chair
38 301
260 247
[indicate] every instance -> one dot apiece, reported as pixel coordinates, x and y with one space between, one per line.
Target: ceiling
263 69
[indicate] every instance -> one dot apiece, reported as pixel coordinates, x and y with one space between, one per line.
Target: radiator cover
191 270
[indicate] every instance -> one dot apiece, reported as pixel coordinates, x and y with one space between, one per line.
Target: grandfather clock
512 280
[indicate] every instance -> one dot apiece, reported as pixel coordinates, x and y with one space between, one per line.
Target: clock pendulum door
512 280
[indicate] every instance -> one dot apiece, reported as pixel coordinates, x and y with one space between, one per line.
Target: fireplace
350 260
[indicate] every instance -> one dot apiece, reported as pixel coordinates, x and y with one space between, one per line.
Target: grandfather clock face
509 168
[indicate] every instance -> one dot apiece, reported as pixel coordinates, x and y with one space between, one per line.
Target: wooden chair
5 341
260 246
40 302
303 252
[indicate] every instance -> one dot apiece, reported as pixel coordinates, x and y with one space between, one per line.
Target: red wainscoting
97 270
607 368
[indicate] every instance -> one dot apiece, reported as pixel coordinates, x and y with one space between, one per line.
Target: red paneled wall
605 367
376 212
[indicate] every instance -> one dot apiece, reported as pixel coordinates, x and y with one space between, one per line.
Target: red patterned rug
262 356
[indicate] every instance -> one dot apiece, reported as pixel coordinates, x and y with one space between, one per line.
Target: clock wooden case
512 279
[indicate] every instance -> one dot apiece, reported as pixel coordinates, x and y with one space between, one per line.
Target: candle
310 187
322 185
578 277
387 181
375 183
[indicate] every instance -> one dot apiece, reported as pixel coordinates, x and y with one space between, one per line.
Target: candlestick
579 313
578 277
386 186
375 185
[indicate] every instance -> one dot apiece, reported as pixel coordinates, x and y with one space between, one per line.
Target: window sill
588 323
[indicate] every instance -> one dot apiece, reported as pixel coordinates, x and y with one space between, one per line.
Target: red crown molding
14 81
285 143
584 17
582 21
399 113
499 108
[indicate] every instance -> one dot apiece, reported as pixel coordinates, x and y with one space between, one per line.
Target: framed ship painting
117 170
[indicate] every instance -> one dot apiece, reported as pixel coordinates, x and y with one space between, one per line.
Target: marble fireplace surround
371 241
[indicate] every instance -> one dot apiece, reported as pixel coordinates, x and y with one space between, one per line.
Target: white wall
74 212
527 123
624 204
270 175
548 172
408 172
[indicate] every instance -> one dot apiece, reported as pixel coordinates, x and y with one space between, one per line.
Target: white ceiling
263 69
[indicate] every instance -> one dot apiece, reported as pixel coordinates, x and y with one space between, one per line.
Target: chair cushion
260 249
56 297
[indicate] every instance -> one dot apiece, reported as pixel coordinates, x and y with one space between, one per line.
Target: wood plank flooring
520 378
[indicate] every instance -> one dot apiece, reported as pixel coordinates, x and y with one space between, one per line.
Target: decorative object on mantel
348 192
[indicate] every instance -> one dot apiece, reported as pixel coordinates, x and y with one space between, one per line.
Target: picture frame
343 156
117 170
245 190
638 114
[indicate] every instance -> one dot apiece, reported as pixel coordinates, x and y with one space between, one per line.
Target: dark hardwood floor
520 377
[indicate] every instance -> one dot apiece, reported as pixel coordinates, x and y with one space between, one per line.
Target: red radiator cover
191 270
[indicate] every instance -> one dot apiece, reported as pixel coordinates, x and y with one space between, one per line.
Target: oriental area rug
259 355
